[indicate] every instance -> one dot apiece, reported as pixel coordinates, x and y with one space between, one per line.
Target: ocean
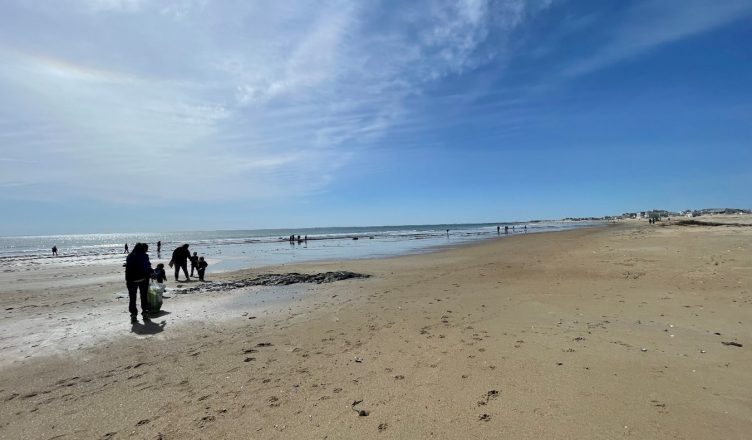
240 249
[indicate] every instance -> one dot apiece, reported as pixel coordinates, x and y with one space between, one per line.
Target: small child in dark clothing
194 262
202 264
159 273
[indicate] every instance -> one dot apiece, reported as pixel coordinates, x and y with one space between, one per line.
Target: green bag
155 298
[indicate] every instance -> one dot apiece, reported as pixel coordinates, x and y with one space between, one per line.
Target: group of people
180 258
506 229
139 273
300 240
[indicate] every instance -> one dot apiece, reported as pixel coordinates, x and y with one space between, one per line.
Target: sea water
232 250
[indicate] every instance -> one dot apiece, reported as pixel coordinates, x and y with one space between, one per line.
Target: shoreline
535 336
238 252
37 334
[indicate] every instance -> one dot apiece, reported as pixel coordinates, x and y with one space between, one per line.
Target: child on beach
194 262
202 264
159 274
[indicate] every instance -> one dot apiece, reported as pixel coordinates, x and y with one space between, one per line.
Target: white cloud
185 99
651 24
112 5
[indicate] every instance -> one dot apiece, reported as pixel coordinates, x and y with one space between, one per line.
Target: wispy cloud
226 99
179 99
648 25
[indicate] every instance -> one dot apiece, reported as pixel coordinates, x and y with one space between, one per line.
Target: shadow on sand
158 314
148 327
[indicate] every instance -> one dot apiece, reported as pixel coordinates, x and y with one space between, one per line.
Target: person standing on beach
54 251
137 274
498 230
179 260
506 229
194 262
126 248
202 264
159 246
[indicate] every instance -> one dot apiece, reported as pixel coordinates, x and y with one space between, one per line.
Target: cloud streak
649 25
226 99
184 99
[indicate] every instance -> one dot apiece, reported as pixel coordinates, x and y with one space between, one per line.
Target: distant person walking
179 260
525 229
137 274
126 248
194 262
159 246
54 251
506 230
498 230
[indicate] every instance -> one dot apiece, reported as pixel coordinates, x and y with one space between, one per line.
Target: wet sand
628 331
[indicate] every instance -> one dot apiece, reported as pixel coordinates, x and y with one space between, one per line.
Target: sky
162 115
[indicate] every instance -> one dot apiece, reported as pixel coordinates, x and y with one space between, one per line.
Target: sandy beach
624 331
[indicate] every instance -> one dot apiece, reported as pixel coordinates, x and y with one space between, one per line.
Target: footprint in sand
203 421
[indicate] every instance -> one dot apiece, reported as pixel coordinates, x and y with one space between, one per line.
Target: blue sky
156 115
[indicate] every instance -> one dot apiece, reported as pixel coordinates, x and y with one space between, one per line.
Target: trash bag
155 298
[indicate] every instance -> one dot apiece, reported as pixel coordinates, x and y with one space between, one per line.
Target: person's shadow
149 327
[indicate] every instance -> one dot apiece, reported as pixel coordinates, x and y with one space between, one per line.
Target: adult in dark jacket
180 257
137 273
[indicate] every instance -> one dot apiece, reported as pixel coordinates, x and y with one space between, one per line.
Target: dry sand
614 332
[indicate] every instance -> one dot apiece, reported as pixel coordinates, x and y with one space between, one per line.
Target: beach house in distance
659 214
656 214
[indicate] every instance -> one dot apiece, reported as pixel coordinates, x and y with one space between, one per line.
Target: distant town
660 214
